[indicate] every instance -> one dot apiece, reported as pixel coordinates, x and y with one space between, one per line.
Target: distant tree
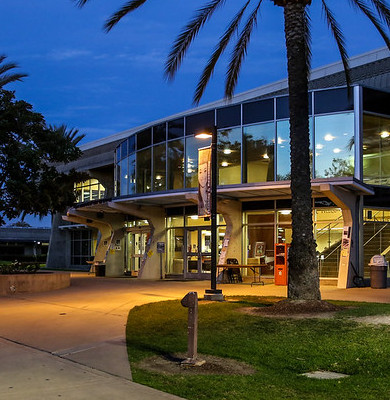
29 152
5 75
21 224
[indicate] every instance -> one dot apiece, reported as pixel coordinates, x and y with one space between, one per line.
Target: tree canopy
29 152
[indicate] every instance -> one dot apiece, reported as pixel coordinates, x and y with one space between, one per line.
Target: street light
213 293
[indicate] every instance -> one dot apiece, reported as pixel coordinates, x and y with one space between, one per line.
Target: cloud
61 55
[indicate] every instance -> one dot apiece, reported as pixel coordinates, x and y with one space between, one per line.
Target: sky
102 83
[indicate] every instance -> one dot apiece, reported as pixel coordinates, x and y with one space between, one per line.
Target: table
255 268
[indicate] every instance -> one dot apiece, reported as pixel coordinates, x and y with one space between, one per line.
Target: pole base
214 295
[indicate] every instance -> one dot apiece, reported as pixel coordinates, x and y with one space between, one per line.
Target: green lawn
279 349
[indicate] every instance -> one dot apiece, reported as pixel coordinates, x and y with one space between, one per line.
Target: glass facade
334 145
254 144
81 252
376 150
259 144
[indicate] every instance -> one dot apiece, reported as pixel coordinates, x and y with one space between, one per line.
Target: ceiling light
385 134
227 151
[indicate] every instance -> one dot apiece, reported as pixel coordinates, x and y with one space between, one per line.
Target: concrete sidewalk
70 343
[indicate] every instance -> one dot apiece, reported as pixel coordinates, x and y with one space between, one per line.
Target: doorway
136 240
198 253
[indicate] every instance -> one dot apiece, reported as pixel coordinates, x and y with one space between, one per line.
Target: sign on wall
204 182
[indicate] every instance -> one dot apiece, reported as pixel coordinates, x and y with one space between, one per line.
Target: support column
349 204
110 249
150 263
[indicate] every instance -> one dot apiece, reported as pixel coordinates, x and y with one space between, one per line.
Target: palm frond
382 10
225 39
5 77
339 38
80 3
71 134
8 78
186 37
126 9
374 20
239 53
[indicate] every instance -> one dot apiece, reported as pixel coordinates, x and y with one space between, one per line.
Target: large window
334 145
176 164
81 247
259 143
283 171
376 150
144 171
229 156
89 190
191 165
159 163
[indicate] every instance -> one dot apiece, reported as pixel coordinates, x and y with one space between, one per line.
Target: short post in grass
190 301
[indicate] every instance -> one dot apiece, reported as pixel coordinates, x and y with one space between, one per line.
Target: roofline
317 73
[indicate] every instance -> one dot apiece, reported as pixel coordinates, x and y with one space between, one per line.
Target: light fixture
203 135
265 155
224 163
158 177
328 137
385 134
285 212
227 151
194 217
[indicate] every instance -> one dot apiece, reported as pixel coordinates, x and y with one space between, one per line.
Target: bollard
190 301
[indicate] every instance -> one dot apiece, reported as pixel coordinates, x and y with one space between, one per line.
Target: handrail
336 248
319 232
372 237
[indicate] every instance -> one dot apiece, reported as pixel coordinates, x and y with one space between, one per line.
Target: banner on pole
204 182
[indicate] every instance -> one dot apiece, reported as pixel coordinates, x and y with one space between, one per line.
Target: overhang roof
245 192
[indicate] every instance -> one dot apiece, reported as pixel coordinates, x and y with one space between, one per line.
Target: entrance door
198 253
135 250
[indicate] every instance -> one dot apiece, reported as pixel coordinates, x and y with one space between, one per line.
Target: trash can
378 272
100 270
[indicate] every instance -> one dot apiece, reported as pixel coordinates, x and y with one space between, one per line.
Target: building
144 183
24 243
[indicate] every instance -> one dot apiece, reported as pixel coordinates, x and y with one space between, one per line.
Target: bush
19 268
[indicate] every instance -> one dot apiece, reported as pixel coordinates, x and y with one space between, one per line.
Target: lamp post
213 293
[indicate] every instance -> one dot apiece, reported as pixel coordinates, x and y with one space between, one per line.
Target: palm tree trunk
303 277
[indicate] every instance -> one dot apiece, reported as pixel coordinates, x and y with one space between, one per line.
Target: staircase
329 261
376 239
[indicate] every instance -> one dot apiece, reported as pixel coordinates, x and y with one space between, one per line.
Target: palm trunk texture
303 276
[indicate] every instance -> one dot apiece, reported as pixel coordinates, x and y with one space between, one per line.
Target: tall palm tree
5 76
303 266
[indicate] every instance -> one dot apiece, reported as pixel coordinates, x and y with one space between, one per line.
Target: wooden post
190 301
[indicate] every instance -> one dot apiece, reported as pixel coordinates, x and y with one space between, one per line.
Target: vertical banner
204 182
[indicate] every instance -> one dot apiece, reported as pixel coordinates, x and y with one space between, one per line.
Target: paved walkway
71 343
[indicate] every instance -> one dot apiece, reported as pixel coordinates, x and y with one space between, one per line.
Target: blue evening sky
104 83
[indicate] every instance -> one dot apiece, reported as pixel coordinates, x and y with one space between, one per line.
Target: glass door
135 249
198 253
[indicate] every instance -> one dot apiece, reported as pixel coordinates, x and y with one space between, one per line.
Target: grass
279 349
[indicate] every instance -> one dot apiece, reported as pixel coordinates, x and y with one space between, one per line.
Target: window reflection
191 165
143 171
159 162
229 156
283 171
376 150
176 164
259 143
334 145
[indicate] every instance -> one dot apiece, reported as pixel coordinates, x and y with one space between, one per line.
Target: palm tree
5 76
303 267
